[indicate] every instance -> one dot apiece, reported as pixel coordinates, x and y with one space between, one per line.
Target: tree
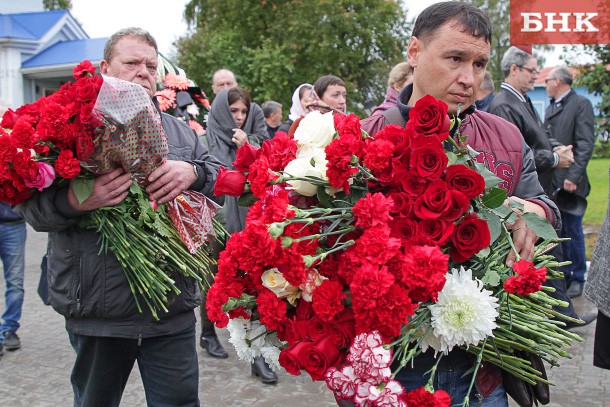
273 46
57 4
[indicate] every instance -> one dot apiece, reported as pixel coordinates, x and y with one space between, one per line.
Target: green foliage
57 4
274 46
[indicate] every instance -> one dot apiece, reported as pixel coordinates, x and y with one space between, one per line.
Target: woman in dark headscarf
233 121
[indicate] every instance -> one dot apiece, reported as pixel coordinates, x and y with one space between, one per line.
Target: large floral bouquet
90 127
360 253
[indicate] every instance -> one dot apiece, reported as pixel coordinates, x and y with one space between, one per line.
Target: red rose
8 119
404 228
66 165
83 69
229 182
290 358
244 157
438 231
413 184
429 117
434 202
341 331
469 237
466 180
317 357
428 158
459 206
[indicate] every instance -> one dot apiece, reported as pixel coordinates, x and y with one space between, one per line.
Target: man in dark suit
513 104
569 119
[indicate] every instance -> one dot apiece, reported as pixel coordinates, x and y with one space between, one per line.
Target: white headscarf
296 110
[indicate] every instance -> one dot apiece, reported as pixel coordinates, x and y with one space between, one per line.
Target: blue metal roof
66 52
29 26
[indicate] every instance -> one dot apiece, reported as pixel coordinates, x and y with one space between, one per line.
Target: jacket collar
405 95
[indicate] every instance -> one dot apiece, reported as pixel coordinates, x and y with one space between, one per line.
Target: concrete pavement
37 375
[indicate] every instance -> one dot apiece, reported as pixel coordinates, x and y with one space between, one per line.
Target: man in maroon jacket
449 51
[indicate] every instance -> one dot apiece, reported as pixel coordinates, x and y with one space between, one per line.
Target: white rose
315 130
274 280
302 167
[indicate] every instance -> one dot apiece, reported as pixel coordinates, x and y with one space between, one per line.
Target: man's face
221 80
450 66
552 85
524 77
133 60
275 118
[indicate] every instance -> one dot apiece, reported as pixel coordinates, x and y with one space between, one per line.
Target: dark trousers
601 347
168 366
560 286
574 249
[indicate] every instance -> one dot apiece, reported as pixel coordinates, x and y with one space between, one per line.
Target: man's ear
415 46
104 67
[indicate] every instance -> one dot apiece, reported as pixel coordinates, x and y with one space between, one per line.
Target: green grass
597 170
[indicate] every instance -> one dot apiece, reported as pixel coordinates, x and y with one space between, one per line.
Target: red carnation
528 278
339 168
245 156
373 211
260 175
327 300
66 165
83 69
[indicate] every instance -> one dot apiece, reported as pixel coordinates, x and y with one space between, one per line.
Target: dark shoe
261 369
212 345
575 289
586 320
11 341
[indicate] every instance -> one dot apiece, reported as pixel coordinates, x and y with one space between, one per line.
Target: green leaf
491 278
83 188
246 199
540 226
493 221
494 198
326 200
491 179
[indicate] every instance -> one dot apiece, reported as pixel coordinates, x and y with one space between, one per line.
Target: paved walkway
37 375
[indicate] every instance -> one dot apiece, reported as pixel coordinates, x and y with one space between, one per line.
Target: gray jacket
597 287
89 288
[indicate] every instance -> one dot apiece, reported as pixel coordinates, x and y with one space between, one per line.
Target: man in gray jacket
569 119
89 288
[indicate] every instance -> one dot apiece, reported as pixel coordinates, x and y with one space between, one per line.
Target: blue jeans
574 250
168 366
12 252
452 378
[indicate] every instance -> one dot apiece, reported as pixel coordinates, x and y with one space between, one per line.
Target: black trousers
601 347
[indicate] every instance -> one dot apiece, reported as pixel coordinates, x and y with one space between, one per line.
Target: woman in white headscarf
304 100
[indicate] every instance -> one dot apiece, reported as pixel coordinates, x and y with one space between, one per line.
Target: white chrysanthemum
251 339
464 314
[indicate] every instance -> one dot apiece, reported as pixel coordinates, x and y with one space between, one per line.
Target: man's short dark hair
127 32
472 20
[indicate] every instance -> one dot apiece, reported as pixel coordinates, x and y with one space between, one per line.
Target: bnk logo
560 22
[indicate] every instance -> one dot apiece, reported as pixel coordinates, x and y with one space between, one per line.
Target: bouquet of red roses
90 127
359 252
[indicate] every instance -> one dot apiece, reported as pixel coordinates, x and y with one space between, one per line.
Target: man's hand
524 238
569 186
108 190
169 180
566 156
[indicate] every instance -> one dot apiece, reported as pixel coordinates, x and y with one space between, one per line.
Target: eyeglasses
549 79
532 71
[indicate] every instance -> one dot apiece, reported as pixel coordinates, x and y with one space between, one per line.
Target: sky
166 23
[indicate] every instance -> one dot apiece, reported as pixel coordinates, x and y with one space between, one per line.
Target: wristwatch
196 170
